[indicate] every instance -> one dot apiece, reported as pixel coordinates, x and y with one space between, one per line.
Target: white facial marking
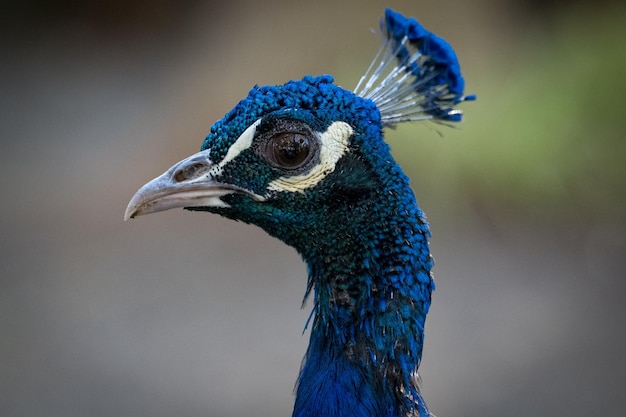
334 145
242 143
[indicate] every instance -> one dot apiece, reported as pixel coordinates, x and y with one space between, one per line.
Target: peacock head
285 158
296 158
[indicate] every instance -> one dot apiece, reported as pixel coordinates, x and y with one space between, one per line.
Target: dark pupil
290 149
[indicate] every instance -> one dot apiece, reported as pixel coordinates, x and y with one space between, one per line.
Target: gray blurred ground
187 314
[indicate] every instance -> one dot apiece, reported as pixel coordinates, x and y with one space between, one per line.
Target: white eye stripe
243 142
334 145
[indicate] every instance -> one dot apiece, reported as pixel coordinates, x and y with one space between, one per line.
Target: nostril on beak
179 176
188 172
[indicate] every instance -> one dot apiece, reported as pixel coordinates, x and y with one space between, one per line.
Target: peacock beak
188 183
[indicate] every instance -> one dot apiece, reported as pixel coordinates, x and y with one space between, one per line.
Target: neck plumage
372 288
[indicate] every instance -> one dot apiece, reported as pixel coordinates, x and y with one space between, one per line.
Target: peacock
307 162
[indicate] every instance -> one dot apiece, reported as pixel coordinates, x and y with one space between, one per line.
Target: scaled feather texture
307 162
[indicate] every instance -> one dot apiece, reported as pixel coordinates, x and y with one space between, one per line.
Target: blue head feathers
307 162
315 99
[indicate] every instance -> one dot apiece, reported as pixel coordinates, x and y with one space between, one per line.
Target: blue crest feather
414 76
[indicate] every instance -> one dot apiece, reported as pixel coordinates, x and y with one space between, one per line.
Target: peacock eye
289 150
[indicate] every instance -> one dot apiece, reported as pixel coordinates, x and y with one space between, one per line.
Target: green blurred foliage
545 139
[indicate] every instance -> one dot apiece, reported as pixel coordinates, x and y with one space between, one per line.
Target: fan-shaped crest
414 76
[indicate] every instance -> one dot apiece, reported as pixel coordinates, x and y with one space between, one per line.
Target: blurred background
187 314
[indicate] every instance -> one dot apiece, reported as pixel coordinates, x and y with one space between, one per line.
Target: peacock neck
372 287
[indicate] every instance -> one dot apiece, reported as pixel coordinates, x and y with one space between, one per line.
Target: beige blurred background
187 314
